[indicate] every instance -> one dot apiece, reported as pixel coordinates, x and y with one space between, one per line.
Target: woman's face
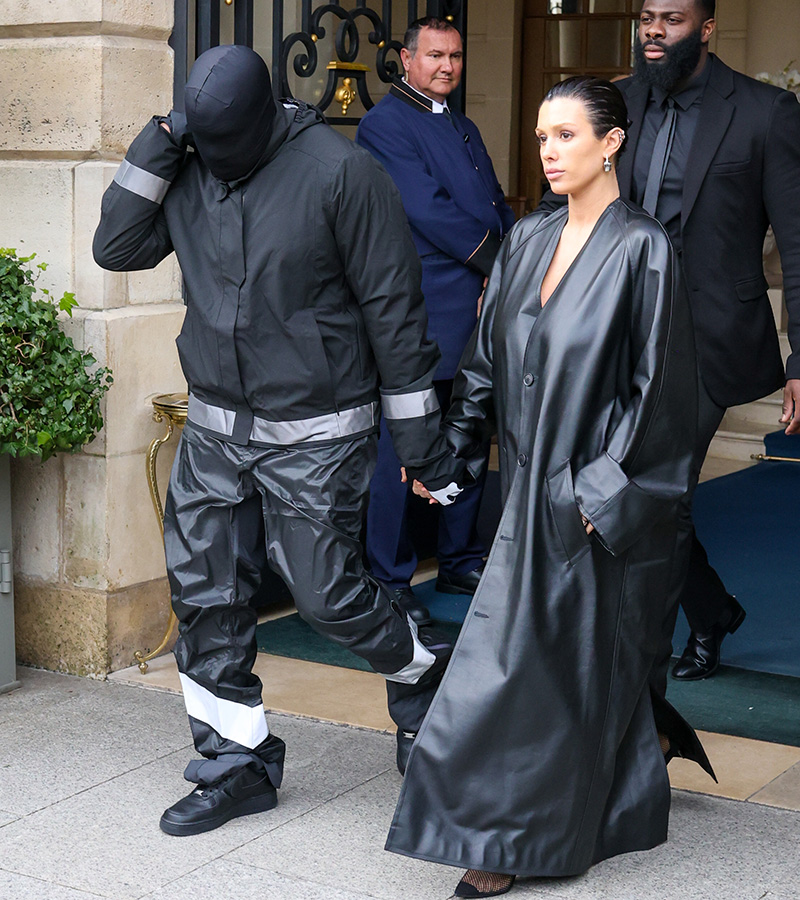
572 157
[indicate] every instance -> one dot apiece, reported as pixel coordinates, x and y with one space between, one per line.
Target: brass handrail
174 408
761 457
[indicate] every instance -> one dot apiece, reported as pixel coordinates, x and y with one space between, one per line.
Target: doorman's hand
791 406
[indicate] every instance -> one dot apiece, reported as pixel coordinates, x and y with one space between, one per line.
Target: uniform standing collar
403 91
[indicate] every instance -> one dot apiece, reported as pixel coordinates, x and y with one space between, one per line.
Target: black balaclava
230 110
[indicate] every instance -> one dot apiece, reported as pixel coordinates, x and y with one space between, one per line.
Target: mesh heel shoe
243 793
476 884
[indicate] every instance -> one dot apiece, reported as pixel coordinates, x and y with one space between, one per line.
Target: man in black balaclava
303 311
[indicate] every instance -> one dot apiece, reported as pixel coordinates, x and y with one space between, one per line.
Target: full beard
678 63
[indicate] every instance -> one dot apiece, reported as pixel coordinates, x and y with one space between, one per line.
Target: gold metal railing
174 408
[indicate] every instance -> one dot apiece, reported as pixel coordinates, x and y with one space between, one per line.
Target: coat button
522 460
528 380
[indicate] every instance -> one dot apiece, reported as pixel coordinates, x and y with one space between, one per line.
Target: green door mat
291 636
735 701
748 704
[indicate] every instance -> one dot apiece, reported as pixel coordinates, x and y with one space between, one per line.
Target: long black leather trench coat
539 755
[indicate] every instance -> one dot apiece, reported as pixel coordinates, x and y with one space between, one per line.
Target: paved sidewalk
86 768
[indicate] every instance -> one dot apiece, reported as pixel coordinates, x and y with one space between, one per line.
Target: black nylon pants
312 503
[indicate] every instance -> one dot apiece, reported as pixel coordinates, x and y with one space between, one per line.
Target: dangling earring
607 165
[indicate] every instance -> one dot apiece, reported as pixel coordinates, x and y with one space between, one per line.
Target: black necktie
446 112
660 158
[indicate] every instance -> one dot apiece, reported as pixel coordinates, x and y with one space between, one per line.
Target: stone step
761 415
736 444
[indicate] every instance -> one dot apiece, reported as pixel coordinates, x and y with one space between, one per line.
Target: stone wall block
135 547
137 84
36 507
36 212
95 288
86 539
153 17
94 340
51 95
80 95
143 357
137 618
159 285
61 629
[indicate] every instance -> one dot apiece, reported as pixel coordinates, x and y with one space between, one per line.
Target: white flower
788 79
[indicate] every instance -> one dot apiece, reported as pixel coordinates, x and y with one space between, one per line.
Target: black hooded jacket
301 279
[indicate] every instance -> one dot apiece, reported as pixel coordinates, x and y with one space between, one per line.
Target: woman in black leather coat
540 754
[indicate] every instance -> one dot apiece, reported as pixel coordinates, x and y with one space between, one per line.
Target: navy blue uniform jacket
454 204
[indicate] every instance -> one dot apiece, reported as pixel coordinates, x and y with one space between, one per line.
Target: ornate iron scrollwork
347 72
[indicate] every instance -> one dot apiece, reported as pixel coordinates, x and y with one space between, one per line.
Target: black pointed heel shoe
477 884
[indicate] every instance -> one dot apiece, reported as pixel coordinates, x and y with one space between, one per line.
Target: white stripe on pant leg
422 661
234 721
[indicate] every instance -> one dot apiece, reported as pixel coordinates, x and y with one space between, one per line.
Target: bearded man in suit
715 156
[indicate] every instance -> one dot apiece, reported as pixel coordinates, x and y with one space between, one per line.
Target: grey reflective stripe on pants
409 406
317 428
419 665
138 181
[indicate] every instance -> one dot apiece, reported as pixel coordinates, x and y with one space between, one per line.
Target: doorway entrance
562 38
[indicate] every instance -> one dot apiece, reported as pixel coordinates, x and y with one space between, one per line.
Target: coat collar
403 91
636 93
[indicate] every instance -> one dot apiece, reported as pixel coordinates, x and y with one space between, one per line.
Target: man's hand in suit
791 406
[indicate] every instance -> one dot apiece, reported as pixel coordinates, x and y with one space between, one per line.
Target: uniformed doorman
458 217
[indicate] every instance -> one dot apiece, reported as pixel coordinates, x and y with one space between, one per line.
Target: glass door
563 38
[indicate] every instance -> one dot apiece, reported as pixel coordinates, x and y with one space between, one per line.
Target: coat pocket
565 512
752 288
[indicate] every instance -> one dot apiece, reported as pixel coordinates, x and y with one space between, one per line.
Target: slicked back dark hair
603 101
411 37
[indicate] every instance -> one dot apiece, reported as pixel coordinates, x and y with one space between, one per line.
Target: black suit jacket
742 175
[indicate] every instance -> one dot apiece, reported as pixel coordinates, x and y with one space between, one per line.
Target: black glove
178 129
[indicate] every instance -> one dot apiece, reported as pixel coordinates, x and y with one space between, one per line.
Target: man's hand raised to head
791 406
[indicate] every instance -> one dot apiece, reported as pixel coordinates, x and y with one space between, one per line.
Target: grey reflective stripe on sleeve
317 428
215 418
137 181
422 661
409 406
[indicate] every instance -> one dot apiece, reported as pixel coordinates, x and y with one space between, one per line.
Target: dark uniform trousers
390 551
312 502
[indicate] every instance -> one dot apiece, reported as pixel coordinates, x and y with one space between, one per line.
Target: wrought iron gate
198 27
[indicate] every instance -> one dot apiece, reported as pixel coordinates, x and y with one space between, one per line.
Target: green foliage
49 400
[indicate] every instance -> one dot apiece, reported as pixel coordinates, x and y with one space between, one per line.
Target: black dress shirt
687 107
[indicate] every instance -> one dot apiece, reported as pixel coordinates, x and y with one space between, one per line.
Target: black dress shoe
407 600
701 656
242 793
405 740
459 584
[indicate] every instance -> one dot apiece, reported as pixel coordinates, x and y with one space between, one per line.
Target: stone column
493 82
78 79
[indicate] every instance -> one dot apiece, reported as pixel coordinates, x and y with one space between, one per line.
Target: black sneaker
242 793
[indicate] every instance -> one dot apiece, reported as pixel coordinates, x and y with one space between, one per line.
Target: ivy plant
50 391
